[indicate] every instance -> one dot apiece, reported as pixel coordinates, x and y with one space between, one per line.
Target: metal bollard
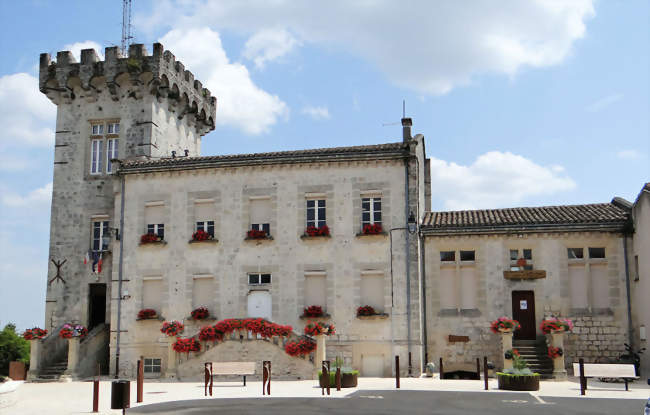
485 372
338 378
96 390
442 372
583 379
140 381
325 370
397 372
266 377
478 368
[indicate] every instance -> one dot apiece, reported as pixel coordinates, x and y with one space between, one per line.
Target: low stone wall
593 337
283 366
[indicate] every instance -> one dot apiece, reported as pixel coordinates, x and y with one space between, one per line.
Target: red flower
373 229
34 333
320 231
555 324
200 313
186 345
366 310
504 323
256 234
299 348
201 235
172 328
315 329
146 314
554 352
148 238
313 311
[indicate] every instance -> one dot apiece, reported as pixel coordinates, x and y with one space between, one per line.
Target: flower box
314 232
317 328
150 238
348 379
34 333
556 325
375 229
172 328
313 311
299 348
555 352
201 236
186 345
529 274
504 325
200 313
69 331
518 382
257 234
147 314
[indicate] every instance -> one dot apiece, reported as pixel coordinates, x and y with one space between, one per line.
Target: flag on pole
99 264
87 257
95 260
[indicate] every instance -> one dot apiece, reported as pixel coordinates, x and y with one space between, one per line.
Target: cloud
495 179
25 114
429 47
241 104
37 198
604 102
76 47
629 154
268 45
317 113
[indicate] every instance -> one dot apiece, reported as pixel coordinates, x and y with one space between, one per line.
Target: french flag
87 258
99 264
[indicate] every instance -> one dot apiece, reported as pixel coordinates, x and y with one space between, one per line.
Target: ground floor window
152 365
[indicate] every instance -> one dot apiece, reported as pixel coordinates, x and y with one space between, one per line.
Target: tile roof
379 151
569 217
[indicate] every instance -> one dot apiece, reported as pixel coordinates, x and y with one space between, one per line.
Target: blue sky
534 103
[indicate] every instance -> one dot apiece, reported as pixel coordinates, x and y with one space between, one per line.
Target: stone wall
594 337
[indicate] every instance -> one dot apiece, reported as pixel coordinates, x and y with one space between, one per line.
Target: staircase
53 372
535 353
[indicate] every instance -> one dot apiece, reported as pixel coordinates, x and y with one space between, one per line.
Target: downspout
630 329
119 278
424 299
408 261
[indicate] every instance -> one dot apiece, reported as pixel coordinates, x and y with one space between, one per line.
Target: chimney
406 128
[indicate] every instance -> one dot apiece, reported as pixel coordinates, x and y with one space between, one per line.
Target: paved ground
403 402
373 395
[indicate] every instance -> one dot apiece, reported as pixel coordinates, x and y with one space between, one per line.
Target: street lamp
412 224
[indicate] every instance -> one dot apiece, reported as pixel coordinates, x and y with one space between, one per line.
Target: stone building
127 163
639 269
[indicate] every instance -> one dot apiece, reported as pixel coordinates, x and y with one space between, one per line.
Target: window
113 128
370 211
516 255
206 226
316 213
260 211
100 228
258 279
97 129
575 253
152 365
316 289
96 156
467 256
448 256
203 292
597 253
372 291
156 228
152 292
111 153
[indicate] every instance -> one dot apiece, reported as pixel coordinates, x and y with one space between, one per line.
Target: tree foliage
12 347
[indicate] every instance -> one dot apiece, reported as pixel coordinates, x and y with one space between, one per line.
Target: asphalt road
403 402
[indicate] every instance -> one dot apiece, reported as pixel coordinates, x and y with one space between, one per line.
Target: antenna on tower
403 108
126 26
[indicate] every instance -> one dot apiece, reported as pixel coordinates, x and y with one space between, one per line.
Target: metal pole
397 372
485 372
140 380
119 283
96 390
338 378
442 372
583 380
478 368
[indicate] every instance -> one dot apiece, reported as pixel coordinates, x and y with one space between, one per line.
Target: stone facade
639 268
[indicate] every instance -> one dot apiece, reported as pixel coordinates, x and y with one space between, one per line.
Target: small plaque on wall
456 339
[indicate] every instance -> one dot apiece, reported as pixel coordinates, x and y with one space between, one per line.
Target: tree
12 347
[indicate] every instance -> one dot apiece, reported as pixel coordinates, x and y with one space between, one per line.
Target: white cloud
268 45
317 113
494 179
76 47
241 103
629 154
37 198
430 47
25 114
604 102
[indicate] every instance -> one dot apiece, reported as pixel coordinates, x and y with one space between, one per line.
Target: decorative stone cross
58 265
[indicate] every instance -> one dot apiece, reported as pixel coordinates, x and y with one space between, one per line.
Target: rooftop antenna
403 116
126 26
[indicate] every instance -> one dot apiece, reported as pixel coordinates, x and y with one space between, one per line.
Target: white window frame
152 363
317 212
156 227
113 128
205 225
96 147
99 127
259 278
112 145
262 227
371 211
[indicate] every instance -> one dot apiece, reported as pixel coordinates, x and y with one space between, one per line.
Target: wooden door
523 310
259 304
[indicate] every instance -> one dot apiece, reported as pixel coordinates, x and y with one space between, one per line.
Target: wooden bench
226 368
597 370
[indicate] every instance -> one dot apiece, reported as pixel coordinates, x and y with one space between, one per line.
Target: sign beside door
523 305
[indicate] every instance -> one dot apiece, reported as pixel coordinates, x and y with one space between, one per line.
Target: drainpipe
119 278
630 329
424 299
406 136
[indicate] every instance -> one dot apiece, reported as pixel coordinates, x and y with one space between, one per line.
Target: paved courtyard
374 396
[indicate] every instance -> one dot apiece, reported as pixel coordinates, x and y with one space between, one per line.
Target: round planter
518 383
348 380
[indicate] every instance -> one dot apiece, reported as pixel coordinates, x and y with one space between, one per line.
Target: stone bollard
321 352
506 344
559 370
171 358
73 359
34 358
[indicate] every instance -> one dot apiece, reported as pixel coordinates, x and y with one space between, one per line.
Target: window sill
208 241
266 238
314 237
157 318
378 316
153 243
370 235
198 321
323 317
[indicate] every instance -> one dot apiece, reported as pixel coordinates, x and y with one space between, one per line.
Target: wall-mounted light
126 295
412 223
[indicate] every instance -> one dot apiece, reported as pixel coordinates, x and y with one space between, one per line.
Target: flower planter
518 382
348 380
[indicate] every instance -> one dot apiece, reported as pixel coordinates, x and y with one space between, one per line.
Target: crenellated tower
124 107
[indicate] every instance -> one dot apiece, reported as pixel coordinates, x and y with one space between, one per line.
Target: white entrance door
259 304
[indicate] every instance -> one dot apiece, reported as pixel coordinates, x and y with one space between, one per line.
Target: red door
523 310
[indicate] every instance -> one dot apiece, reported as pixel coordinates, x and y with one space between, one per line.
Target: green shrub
12 348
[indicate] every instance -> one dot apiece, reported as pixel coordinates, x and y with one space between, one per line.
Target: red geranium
366 310
504 324
299 348
186 345
209 333
172 328
200 313
317 328
147 313
554 352
148 238
256 234
556 325
317 231
68 331
373 229
201 235
313 311
34 333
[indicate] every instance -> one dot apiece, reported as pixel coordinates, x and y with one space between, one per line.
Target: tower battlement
159 74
